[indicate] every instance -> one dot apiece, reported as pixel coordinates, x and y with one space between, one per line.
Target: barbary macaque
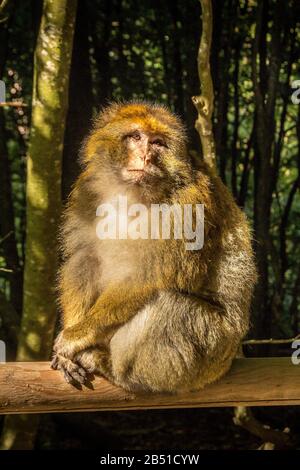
149 314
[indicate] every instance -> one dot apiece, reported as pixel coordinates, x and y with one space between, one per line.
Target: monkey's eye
159 143
134 135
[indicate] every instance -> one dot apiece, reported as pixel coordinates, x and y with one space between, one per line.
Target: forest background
148 50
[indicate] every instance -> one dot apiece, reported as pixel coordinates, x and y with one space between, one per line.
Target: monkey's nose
148 158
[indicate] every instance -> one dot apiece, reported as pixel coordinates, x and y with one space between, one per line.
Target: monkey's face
143 146
152 160
144 152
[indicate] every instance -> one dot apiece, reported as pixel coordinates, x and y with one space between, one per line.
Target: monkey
148 314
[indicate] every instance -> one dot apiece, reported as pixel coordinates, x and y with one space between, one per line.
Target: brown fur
148 314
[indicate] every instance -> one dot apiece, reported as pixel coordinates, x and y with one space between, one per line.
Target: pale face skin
144 150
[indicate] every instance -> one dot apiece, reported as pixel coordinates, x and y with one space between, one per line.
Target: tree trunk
50 101
264 140
177 65
102 44
222 41
80 109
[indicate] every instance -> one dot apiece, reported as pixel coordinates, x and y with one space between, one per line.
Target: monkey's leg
177 342
114 307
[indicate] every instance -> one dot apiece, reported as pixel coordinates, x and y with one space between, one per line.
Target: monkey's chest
122 246
122 260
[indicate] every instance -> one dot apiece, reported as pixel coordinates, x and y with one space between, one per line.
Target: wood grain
35 388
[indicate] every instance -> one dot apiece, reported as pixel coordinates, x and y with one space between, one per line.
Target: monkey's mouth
137 175
138 171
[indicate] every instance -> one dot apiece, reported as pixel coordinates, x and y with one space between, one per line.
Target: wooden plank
35 388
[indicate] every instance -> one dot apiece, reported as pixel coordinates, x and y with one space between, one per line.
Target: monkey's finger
73 374
90 369
85 367
74 379
69 378
77 377
78 373
81 371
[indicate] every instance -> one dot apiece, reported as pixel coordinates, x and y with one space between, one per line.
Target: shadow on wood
35 388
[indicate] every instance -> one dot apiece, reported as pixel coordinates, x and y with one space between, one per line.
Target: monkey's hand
95 361
73 373
90 361
73 340
77 354
69 344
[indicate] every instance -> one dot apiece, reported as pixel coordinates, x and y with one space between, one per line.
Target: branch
205 102
15 104
4 7
6 237
271 341
280 439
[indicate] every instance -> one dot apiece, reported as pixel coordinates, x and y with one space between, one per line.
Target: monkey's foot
73 373
95 361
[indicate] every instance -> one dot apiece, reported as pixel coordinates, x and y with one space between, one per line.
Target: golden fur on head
115 119
104 153
158 115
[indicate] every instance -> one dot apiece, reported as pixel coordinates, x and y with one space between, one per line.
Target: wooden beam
35 388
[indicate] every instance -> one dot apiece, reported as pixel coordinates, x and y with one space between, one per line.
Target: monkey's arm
114 307
78 286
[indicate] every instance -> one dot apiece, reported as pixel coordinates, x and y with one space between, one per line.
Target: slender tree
205 102
264 140
50 102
